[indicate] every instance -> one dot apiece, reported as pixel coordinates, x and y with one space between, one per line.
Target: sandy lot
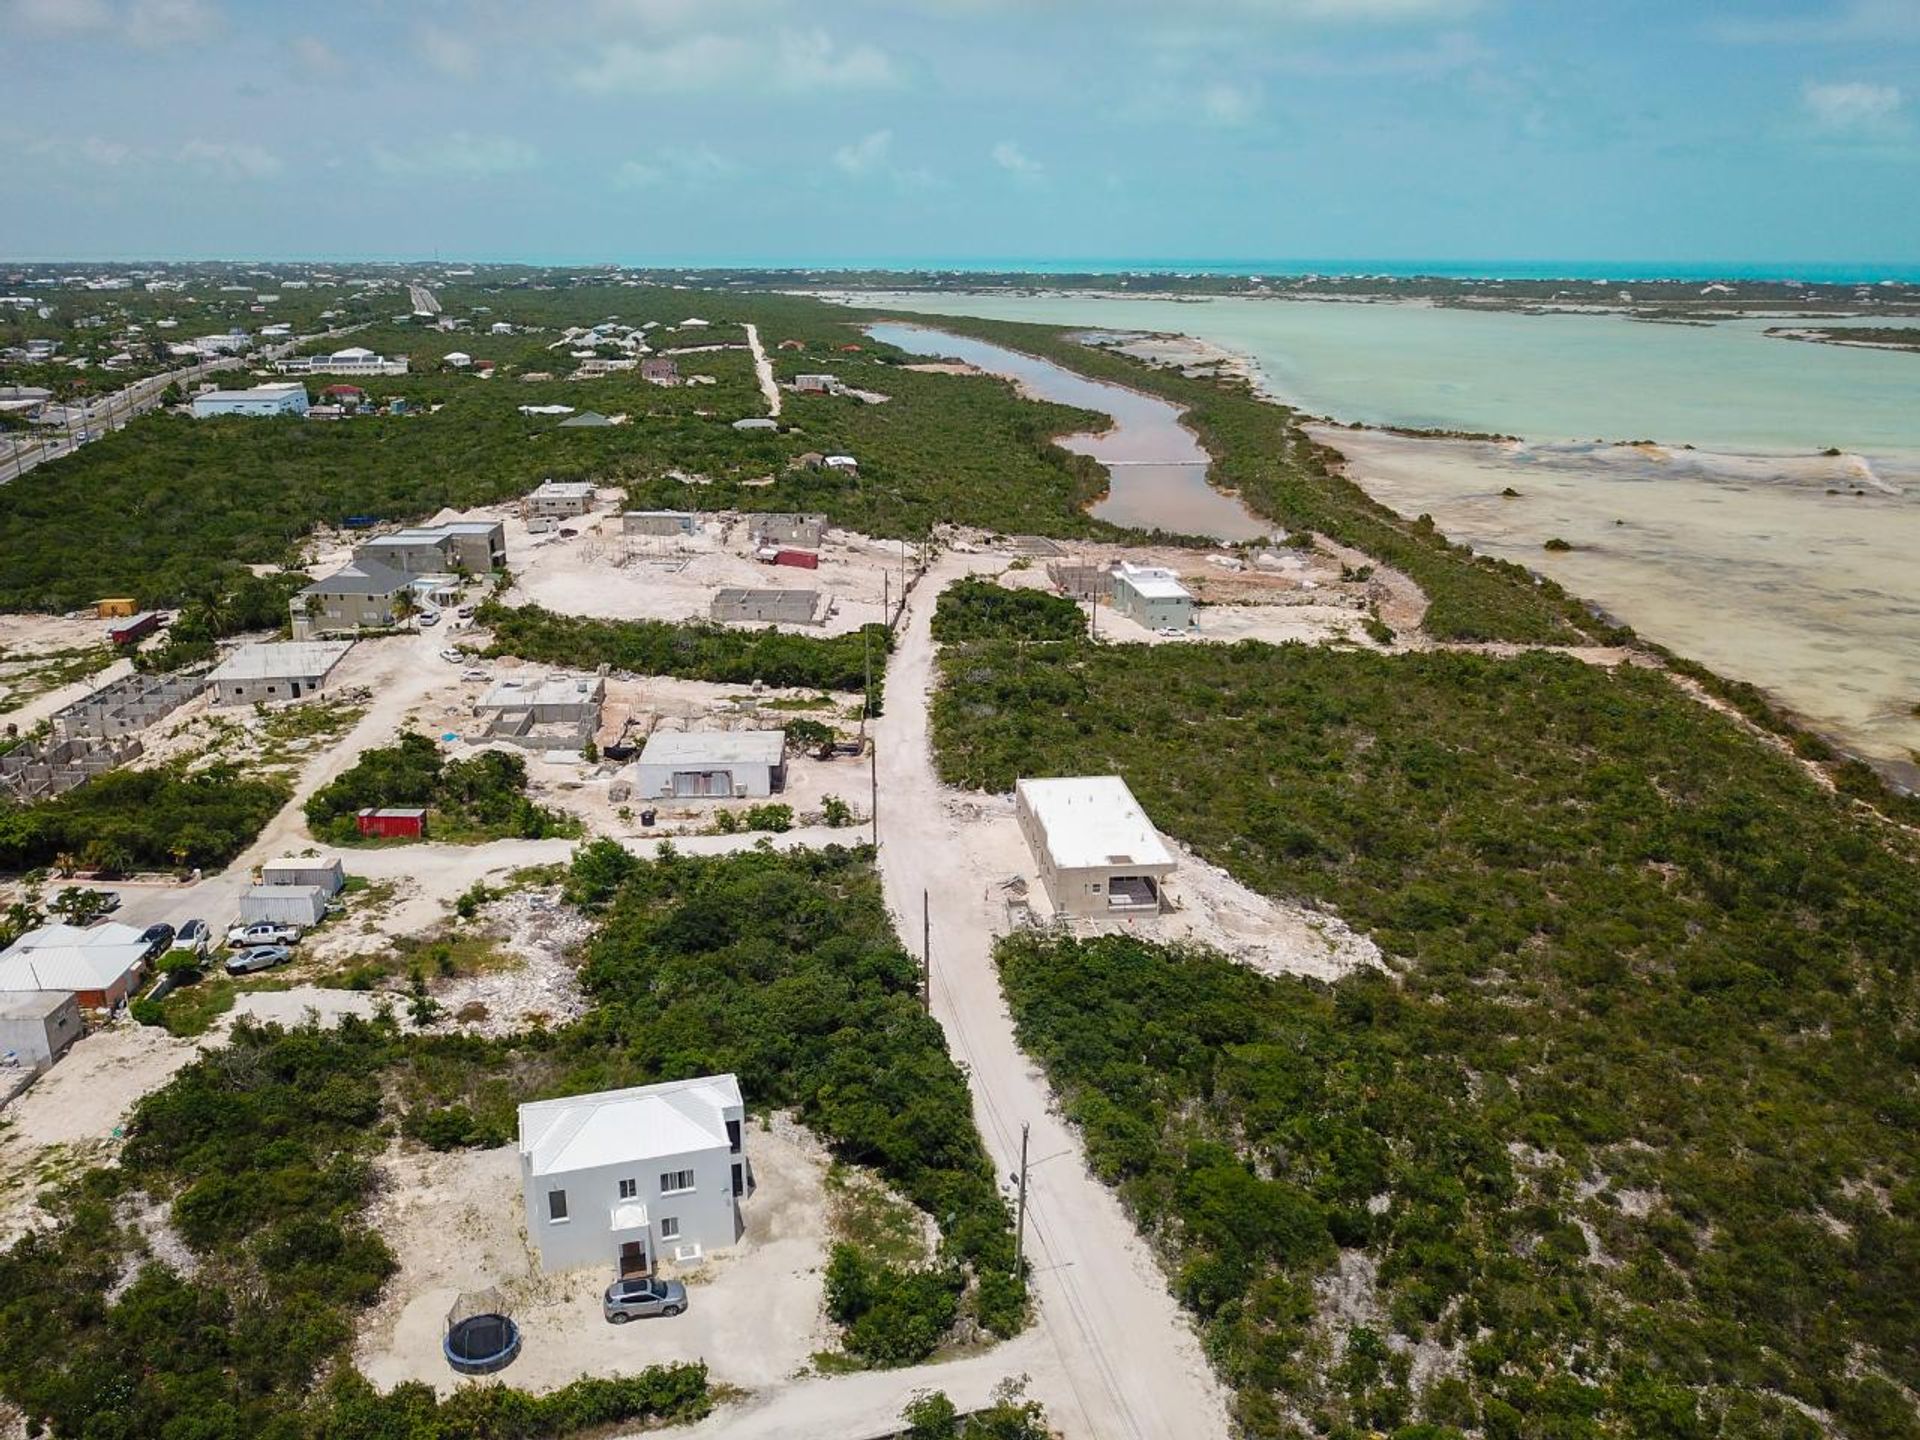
1290 596
601 572
455 1223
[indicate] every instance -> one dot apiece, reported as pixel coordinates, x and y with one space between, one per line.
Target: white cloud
1228 105
694 165
58 17
147 23
447 52
865 153
1010 157
1850 23
795 62
1854 109
89 150
459 154
316 55
153 23
232 159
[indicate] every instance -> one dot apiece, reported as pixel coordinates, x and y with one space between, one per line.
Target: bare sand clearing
1794 573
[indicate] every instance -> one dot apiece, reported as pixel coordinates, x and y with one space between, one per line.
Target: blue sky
721 131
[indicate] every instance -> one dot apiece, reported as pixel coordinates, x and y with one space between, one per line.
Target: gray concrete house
37 1026
806 531
561 498
768 607
362 594
718 764
276 671
1152 596
1098 853
476 546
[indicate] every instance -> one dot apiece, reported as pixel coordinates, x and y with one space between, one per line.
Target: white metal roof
282 660
715 747
50 936
70 967
566 489
612 1127
1093 821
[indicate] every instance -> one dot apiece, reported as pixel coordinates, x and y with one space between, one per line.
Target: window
733 1136
674 1182
556 1205
629 1189
669 1227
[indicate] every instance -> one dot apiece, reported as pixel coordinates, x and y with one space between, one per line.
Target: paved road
96 417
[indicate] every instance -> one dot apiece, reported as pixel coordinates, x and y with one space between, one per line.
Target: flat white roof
282 660
1152 582
1092 822
715 747
567 489
613 1127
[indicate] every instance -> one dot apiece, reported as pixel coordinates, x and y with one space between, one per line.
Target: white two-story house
630 1178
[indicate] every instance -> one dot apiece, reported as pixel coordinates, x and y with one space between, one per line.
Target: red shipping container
125 632
804 559
393 824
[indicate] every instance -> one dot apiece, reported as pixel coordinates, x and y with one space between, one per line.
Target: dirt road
763 370
1129 1365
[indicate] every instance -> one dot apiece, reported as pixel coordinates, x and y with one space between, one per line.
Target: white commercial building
700 764
1098 853
324 872
261 402
354 360
628 1178
1153 596
275 670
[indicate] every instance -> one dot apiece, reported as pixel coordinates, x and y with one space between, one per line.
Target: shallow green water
1542 377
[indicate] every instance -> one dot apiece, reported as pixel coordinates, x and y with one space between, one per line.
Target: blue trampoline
481 1337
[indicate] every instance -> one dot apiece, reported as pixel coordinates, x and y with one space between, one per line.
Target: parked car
258 957
429 617
109 902
194 936
262 932
636 1299
452 656
474 674
157 939
465 612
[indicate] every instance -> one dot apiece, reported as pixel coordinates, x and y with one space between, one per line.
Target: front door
633 1258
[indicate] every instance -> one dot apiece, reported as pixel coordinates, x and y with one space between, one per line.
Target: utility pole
926 947
886 600
1020 1225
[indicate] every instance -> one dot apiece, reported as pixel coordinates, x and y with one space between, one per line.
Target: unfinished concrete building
128 704
769 607
1078 580
775 529
658 522
557 712
42 769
